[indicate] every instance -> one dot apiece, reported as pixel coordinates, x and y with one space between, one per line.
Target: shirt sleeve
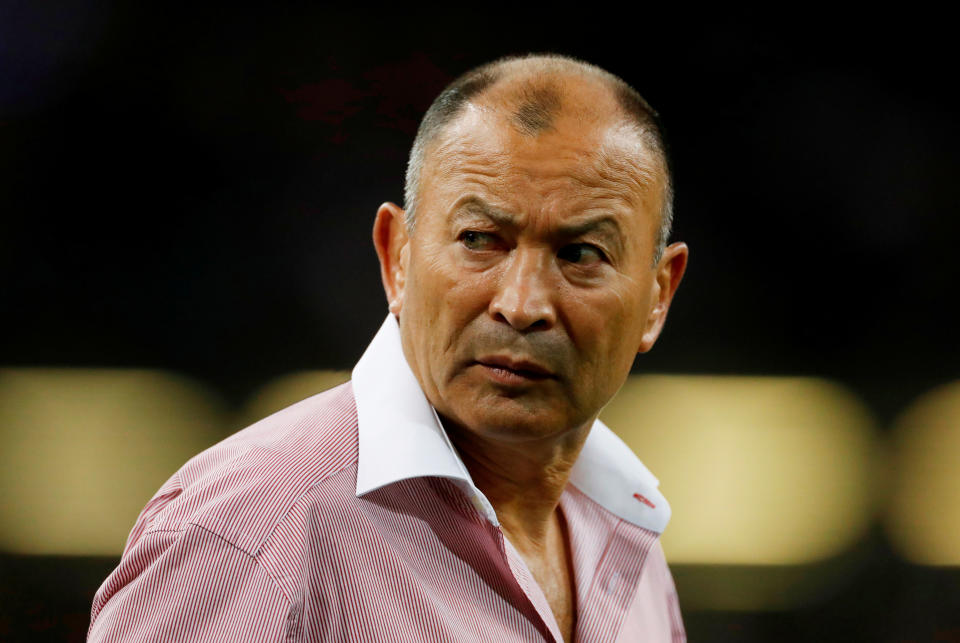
188 585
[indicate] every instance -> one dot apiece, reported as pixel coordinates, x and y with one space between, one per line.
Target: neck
522 480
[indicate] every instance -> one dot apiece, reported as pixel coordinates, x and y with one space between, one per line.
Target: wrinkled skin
494 272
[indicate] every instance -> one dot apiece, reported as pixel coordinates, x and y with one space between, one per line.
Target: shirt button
613 582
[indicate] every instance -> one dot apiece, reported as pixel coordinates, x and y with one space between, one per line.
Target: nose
524 298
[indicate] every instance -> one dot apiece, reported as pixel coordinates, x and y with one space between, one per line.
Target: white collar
401 437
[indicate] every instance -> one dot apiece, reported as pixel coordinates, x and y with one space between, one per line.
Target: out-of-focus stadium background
185 206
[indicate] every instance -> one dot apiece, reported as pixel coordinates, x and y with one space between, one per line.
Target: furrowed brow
474 205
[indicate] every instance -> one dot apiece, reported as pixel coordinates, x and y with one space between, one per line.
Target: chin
519 426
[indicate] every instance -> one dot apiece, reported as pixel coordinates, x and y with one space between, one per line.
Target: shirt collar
401 437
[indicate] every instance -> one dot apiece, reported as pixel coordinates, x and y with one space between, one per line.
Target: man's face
528 284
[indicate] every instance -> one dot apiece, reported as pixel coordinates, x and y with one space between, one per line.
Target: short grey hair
533 115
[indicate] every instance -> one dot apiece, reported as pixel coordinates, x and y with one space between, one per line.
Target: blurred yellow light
82 451
923 515
758 470
284 391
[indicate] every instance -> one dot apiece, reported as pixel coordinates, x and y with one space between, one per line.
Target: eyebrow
605 223
590 224
473 204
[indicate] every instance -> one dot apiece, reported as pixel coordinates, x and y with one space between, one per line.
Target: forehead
582 154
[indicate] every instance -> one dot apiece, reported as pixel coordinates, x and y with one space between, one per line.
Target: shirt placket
530 587
516 583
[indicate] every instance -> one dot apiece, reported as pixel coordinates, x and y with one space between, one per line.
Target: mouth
513 372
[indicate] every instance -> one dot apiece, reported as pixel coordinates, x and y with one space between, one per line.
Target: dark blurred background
192 190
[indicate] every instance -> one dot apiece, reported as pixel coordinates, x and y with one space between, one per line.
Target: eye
474 240
583 254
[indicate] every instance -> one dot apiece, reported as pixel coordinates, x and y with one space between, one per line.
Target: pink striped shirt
350 517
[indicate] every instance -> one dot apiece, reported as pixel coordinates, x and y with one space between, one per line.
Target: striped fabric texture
263 537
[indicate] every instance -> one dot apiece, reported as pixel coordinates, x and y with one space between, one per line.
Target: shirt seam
283 517
300 501
295 502
183 530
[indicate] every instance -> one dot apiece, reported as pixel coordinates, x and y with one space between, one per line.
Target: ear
390 238
670 271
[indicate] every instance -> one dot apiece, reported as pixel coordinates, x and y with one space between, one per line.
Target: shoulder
242 487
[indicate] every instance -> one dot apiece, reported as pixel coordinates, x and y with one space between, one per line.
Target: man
460 487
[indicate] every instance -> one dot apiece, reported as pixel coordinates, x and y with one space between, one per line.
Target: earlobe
390 238
669 274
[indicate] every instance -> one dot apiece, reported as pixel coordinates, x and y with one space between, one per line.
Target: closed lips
520 367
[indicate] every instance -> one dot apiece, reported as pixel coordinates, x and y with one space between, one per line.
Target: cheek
429 277
607 327
445 298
